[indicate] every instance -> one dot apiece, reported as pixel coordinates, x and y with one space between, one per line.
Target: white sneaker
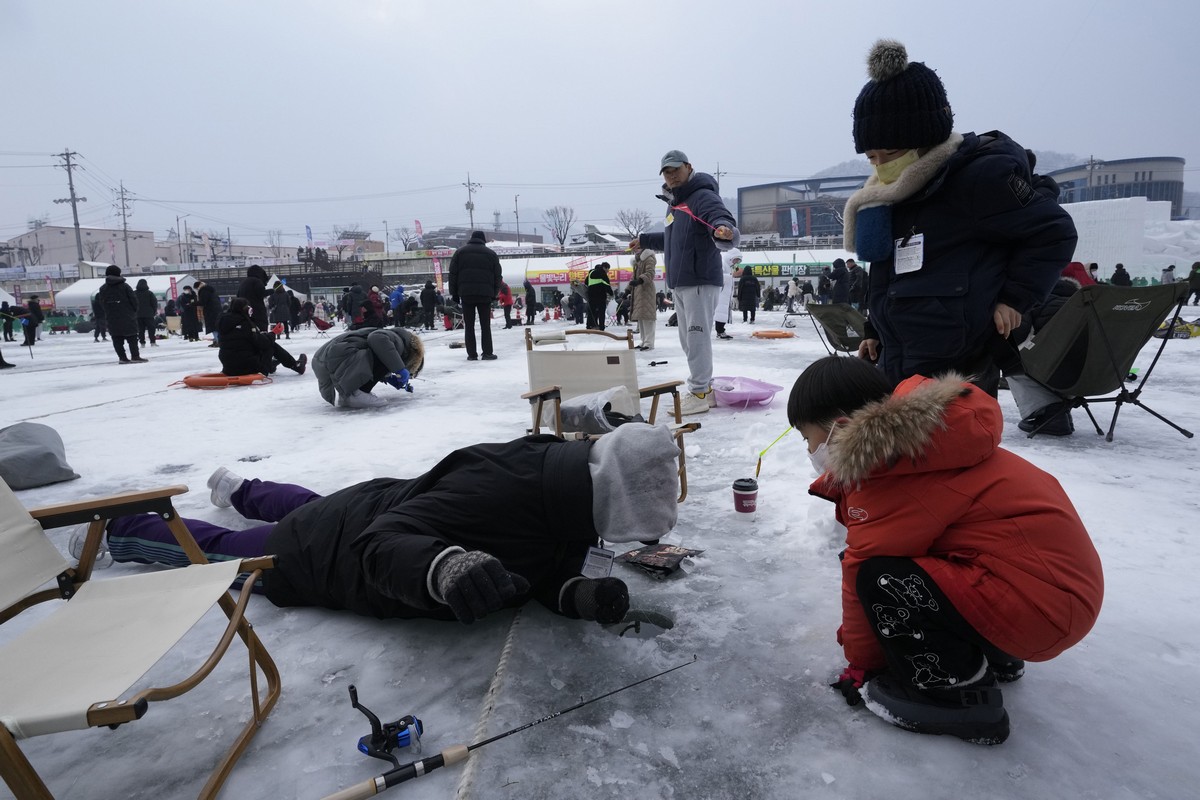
692 403
77 540
223 484
361 399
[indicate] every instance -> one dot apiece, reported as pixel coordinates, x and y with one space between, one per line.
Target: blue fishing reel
384 738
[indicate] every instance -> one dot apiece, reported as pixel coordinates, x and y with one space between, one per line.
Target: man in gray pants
698 228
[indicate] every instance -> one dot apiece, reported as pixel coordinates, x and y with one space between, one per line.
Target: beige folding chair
558 371
73 668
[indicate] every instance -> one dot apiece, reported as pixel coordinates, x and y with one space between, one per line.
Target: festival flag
50 290
308 233
420 233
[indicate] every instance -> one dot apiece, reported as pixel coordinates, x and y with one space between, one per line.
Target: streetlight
385 240
517 211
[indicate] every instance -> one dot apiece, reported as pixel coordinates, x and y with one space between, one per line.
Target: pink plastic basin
743 392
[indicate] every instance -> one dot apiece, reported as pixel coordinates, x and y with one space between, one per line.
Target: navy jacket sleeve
652 241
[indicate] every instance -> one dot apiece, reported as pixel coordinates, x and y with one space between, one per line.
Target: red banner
174 290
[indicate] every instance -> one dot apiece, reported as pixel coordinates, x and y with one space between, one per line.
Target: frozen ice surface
752 718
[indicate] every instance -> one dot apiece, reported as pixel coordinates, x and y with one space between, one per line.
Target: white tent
5 297
301 296
80 293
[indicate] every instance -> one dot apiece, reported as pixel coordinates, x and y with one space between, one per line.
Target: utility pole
66 156
385 240
517 211
123 208
229 245
471 189
718 175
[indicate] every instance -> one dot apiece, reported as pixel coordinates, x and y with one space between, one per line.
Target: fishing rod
456 753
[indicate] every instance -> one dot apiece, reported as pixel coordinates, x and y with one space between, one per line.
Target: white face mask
820 457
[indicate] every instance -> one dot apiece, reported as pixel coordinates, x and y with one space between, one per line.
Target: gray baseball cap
673 158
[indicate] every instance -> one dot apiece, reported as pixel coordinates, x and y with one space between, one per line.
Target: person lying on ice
962 559
434 546
349 366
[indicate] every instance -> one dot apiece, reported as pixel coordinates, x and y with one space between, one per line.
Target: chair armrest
117 505
545 393
659 388
626 337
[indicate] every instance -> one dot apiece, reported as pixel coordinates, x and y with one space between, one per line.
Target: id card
598 563
909 256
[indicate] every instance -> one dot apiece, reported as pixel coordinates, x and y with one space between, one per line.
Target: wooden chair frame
15 768
539 396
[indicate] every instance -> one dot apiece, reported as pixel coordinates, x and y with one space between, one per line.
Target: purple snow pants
146 539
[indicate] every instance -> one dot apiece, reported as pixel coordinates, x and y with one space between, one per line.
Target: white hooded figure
729 262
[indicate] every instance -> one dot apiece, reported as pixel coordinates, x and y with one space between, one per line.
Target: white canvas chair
74 668
558 371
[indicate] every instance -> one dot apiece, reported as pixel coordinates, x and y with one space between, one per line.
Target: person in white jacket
730 262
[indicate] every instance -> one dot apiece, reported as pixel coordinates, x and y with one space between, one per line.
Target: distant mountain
1047 161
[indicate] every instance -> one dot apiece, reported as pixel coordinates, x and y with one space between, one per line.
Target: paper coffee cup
745 496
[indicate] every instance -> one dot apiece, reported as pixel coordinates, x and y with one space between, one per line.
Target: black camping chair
841 326
1088 347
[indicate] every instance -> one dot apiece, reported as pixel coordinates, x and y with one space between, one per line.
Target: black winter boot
974 712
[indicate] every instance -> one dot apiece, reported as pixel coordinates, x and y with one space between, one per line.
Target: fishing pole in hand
459 752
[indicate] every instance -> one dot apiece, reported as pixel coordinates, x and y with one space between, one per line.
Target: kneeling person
348 367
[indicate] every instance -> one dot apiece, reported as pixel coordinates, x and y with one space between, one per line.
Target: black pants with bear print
927 643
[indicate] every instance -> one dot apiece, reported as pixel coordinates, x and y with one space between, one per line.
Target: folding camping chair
74 668
557 372
322 327
841 326
1088 347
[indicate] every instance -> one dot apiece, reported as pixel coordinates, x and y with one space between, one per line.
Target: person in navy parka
962 237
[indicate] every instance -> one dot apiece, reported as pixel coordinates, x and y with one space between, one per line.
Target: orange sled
219 380
772 334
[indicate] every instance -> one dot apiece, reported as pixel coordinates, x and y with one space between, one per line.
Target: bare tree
405 236
633 221
34 253
559 219
344 236
275 242
217 243
92 248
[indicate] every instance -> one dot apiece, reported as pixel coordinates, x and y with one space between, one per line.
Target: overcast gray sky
274 114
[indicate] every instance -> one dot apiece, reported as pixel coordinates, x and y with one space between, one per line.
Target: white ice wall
1135 232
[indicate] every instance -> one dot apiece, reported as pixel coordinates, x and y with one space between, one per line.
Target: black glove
605 600
475 584
850 683
636 282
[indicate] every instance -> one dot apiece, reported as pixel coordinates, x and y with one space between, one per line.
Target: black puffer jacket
120 306
243 347
368 548
210 303
749 290
147 302
254 288
475 274
992 233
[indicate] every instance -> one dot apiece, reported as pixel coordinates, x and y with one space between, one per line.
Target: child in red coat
962 559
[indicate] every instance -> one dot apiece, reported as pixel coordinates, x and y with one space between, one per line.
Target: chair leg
1155 414
18 773
261 707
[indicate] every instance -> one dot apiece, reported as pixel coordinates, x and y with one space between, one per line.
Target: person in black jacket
531 301
9 317
963 238
120 312
433 546
254 289
280 309
428 304
748 293
1120 276
246 350
147 310
475 279
598 291
839 279
209 303
189 320
857 280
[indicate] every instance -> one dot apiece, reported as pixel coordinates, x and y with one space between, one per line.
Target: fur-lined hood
926 425
911 181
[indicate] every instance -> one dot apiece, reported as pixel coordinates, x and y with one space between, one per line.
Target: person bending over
962 559
433 546
348 367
